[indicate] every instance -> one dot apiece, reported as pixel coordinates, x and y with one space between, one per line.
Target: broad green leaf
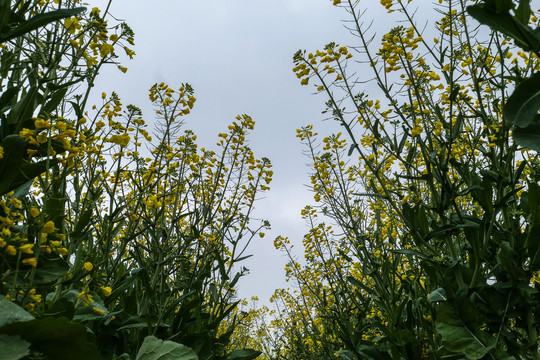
346 354
23 109
61 307
11 313
87 313
456 129
460 339
522 106
13 347
54 101
359 284
22 190
7 95
5 11
528 137
156 349
56 338
413 253
523 12
499 6
50 268
14 150
244 354
437 295
506 24
39 21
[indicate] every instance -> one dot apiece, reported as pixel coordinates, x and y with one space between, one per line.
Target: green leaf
156 349
56 338
505 23
456 129
522 106
23 109
50 268
528 137
351 149
5 12
346 354
11 313
458 338
359 284
13 347
39 21
438 295
14 150
413 253
523 12
7 95
53 103
62 307
499 6
244 354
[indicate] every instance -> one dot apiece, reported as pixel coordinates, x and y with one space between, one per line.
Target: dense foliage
112 244
122 242
424 237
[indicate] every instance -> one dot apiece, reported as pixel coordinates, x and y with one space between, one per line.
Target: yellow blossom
48 227
106 291
98 311
11 250
88 266
26 248
30 261
72 24
34 211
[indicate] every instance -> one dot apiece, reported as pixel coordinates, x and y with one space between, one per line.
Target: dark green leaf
522 106
62 307
11 313
7 96
244 354
458 338
39 21
359 284
156 349
56 338
50 268
53 103
23 109
506 24
13 347
499 6
22 190
456 129
523 12
412 252
437 295
14 150
528 137
351 149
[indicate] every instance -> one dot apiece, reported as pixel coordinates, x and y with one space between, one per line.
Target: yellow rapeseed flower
30 261
26 248
98 311
11 250
34 211
88 266
48 227
106 291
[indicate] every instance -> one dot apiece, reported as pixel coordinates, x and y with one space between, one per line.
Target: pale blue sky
237 54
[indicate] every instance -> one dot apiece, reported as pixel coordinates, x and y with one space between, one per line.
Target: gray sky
237 54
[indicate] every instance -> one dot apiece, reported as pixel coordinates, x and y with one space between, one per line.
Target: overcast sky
237 54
